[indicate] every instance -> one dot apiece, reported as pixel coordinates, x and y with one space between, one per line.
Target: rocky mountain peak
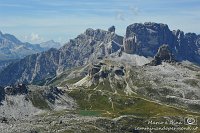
97 34
89 32
111 29
136 28
179 34
145 39
156 26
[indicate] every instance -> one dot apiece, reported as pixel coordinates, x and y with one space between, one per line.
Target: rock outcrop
102 71
163 54
12 90
15 90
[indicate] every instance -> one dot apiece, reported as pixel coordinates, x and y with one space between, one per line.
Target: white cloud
120 16
34 38
134 10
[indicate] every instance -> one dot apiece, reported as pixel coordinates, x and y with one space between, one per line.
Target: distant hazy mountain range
50 44
12 49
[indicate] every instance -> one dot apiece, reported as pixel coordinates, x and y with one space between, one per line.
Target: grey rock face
163 54
186 46
86 47
130 45
145 39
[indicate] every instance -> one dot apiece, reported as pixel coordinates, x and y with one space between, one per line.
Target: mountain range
77 52
142 39
103 82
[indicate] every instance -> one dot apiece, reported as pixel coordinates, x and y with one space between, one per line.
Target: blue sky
41 20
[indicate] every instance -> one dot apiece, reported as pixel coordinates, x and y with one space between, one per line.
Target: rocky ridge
89 46
141 39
